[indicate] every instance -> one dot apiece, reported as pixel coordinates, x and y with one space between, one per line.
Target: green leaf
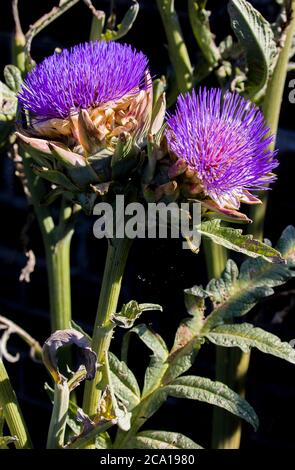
157 364
187 341
77 327
256 37
13 77
103 441
233 297
151 339
161 440
286 245
234 240
246 336
214 393
131 312
124 382
8 103
58 178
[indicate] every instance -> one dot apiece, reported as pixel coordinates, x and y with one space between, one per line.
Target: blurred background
157 271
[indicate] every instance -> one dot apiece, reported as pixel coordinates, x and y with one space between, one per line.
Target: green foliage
234 294
231 296
8 103
161 440
124 382
246 336
256 37
13 78
214 393
233 239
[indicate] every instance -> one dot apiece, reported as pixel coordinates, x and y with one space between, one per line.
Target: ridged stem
108 300
12 412
176 45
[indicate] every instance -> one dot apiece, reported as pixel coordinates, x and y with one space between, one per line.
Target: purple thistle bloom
85 76
224 140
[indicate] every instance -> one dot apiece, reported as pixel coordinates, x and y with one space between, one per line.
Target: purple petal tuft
224 138
84 76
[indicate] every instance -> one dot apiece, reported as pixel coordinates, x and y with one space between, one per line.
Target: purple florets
84 76
225 140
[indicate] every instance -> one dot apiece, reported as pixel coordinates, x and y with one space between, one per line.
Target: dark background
157 271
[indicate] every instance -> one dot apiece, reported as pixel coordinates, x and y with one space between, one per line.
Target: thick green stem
57 242
271 109
231 368
58 267
111 285
12 411
176 46
216 257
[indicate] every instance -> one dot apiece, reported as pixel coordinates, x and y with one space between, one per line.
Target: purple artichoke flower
90 107
220 142
108 84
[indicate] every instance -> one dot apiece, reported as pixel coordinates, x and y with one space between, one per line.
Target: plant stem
12 411
111 285
57 242
56 433
231 368
216 257
271 108
58 267
176 46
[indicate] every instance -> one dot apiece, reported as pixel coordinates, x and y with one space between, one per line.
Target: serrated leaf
160 353
255 35
246 336
234 298
214 393
183 358
151 339
220 289
13 77
161 440
124 382
234 240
